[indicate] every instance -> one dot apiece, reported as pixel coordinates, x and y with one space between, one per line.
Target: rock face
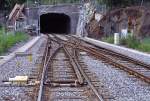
135 19
94 30
85 16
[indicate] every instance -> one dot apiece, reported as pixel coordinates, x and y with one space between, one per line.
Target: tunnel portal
55 23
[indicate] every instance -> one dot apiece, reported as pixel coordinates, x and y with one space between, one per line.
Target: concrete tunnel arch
55 23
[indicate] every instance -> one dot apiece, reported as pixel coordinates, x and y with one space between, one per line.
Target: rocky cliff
134 19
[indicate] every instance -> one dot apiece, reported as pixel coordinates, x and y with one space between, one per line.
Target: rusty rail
110 60
75 61
85 76
117 64
45 66
78 74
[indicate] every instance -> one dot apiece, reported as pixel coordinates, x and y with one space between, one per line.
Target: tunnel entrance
54 23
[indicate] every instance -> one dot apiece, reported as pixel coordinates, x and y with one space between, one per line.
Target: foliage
134 43
145 45
130 42
109 39
7 41
9 4
121 3
58 1
2 29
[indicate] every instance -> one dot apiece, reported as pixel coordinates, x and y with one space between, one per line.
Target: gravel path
20 66
122 86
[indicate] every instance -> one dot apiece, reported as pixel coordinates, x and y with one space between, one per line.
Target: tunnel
51 23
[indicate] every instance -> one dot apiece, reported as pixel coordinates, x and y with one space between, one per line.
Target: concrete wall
72 10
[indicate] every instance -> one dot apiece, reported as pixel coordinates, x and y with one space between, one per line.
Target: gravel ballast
20 66
122 86
141 56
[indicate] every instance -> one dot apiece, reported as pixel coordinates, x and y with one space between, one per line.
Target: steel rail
43 75
121 66
115 63
81 70
86 77
77 72
110 60
42 79
117 54
46 55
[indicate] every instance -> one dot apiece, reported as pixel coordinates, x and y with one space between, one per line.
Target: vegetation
59 1
7 41
121 3
9 4
132 42
145 45
109 39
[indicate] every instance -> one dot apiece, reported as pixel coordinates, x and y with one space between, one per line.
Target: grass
7 41
145 45
1 30
132 42
109 39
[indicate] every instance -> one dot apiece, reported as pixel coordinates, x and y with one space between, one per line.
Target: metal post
39 17
39 25
5 21
142 2
27 3
27 13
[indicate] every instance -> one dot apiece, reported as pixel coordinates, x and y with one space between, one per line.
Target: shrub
145 45
109 39
132 42
7 41
1 30
123 41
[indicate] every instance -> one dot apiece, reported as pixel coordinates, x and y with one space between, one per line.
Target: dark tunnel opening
54 23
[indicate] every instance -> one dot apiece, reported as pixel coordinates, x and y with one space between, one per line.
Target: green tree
9 4
121 3
58 1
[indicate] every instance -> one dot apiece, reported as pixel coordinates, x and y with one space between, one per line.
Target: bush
123 41
7 41
145 45
1 30
109 39
132 42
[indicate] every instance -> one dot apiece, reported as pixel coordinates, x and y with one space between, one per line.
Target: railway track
133 67
63 78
